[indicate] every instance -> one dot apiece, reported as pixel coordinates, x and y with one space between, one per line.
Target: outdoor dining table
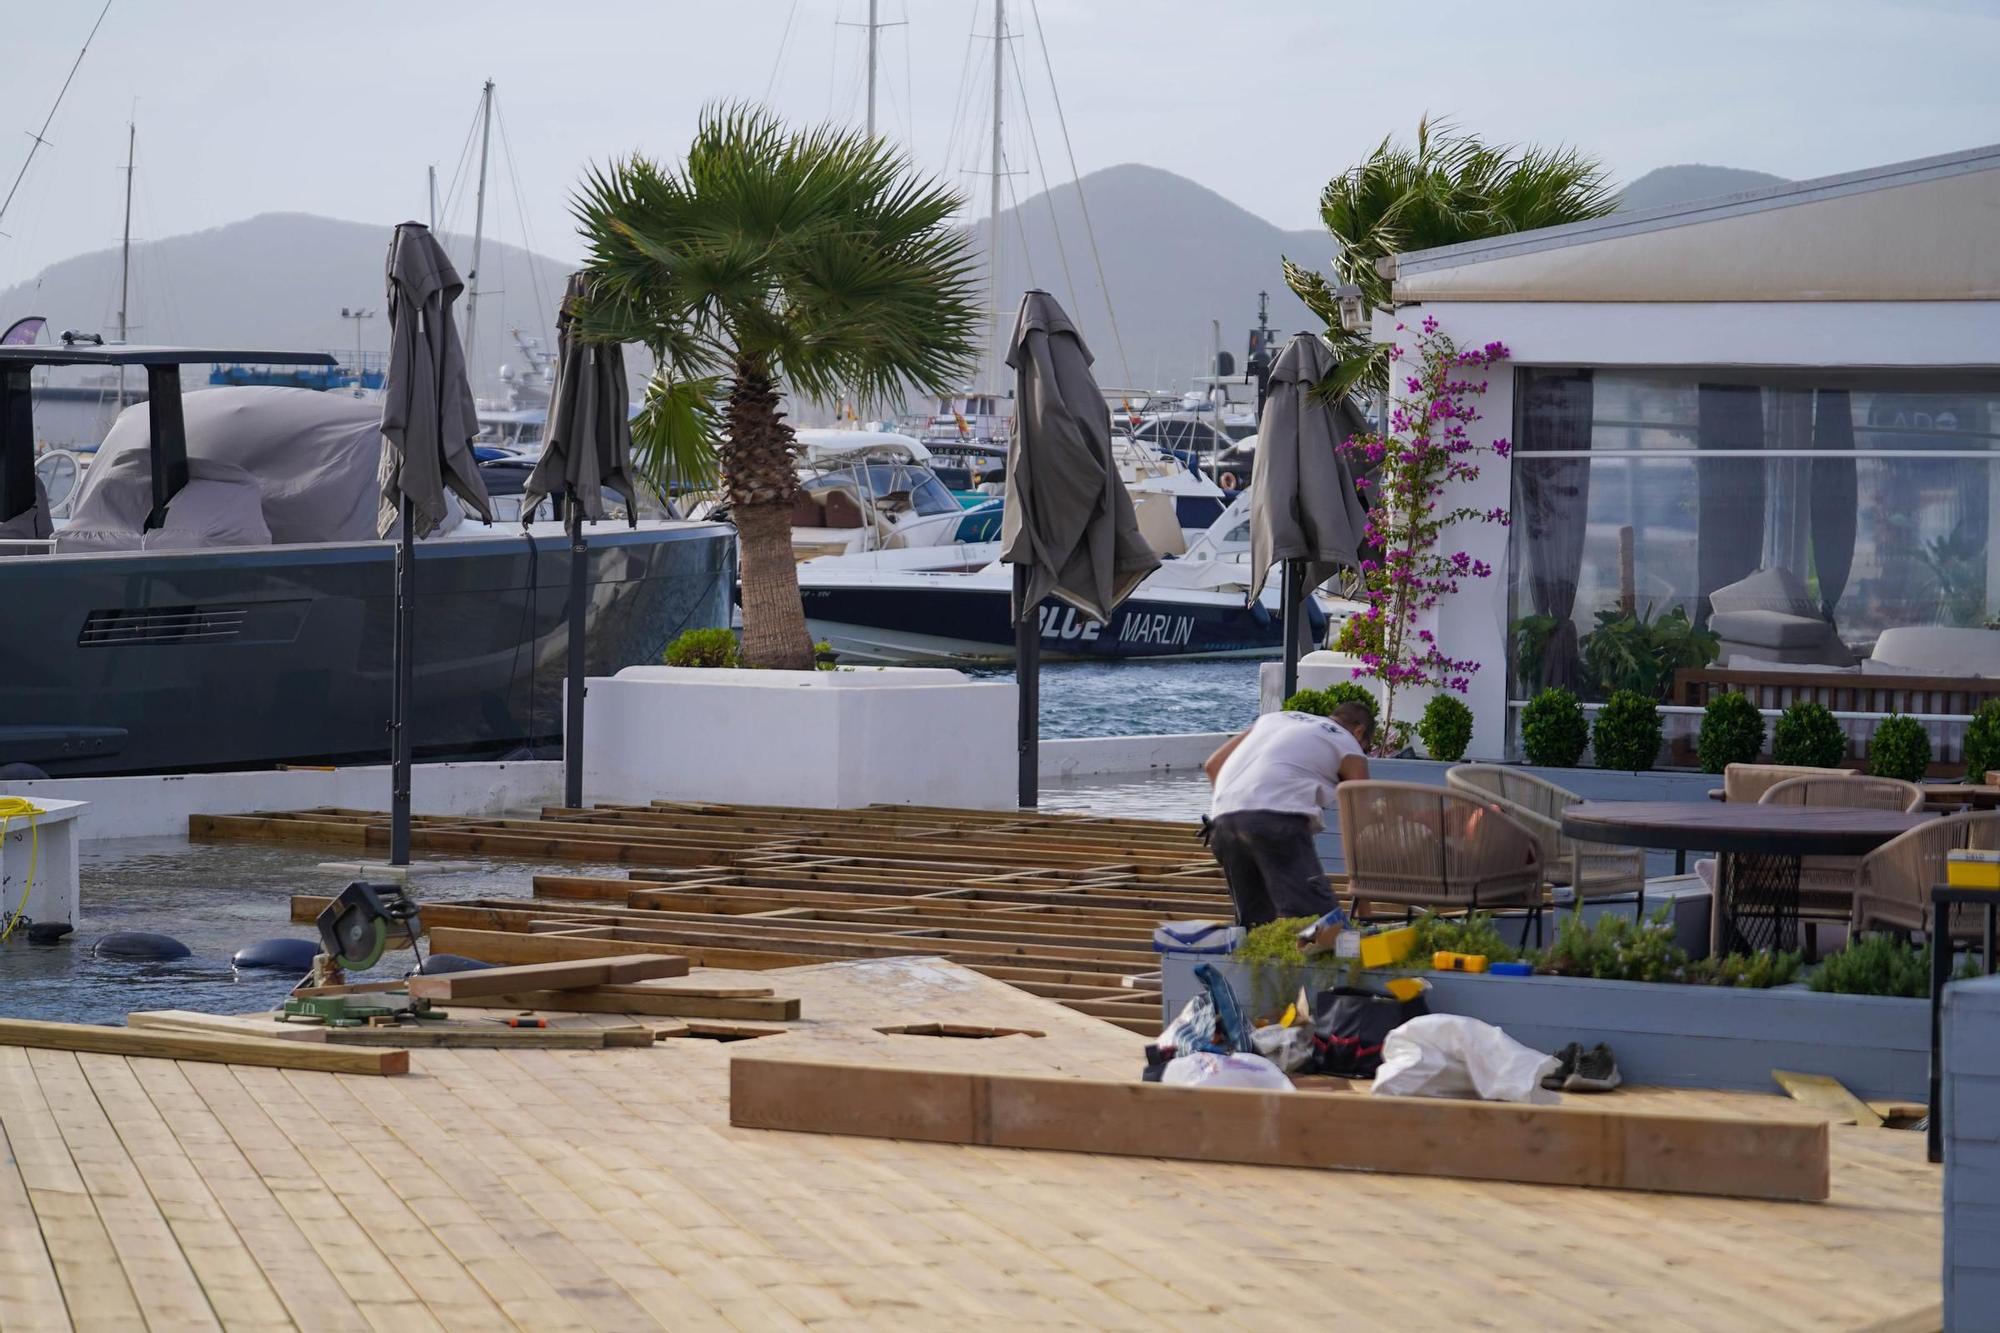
1758 848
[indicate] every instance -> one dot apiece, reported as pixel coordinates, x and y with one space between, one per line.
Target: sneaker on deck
1566 1065
1595 1071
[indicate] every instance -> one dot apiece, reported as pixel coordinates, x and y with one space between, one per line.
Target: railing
30 545
1944 704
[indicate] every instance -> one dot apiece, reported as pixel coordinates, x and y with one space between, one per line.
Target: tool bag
1349 1025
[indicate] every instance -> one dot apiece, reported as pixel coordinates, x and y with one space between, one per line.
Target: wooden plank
546 976
494 1038
507 947
169 1044
187 1020
1828 1094
1548 1145
660 1003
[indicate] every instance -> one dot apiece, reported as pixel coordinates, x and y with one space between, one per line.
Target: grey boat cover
428 413
1303 505
1068 516
31 524
266 466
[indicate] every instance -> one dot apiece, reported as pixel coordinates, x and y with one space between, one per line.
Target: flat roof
126 354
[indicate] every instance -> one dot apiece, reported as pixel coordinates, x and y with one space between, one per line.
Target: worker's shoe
1595 1071
1565 1066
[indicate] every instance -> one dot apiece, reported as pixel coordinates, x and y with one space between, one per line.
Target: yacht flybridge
218 596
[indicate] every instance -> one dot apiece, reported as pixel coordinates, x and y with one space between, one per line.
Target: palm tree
1450 188
815 262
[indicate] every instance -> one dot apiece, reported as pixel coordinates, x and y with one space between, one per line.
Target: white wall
1789 334
154 807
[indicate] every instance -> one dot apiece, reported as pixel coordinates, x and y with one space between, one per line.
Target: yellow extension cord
12 808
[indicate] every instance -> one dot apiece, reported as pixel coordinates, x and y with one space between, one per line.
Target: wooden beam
571 975
659 1003
508 947
1544 1145
170 1044
408 1035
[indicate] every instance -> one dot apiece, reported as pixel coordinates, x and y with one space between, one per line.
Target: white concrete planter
1317 670
825 739
38 865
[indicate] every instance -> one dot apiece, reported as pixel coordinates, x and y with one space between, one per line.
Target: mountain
279 281
1176 256
1678 185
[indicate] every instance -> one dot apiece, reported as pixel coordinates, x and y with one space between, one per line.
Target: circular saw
355 928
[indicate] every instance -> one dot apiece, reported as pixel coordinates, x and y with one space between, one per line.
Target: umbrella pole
1027 684
573 696
1289 594
404 652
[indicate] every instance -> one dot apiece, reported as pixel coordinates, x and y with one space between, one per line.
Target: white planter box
1317 670
38 860
825 739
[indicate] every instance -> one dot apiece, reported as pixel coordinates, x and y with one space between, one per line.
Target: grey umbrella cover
588 443
1303 505
1068 516
428 416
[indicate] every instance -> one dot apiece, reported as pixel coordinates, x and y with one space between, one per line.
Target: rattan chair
1588 869
1749 782
1827 883
1893 890
1432 847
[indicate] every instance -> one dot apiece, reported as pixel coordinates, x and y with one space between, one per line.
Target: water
215 899
1142 698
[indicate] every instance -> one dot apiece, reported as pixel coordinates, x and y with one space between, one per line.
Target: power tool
355 930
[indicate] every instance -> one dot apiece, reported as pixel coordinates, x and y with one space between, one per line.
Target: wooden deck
605 1189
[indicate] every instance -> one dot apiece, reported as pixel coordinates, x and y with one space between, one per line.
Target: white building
1786 404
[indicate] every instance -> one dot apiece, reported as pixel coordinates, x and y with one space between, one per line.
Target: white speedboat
874 610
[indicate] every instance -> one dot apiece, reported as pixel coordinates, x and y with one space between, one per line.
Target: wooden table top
1798 830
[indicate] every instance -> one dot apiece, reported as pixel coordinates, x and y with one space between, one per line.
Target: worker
1271 782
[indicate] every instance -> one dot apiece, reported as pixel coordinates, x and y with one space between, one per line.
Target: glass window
1795 518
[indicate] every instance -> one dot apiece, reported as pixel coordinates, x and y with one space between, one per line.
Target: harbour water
1143 698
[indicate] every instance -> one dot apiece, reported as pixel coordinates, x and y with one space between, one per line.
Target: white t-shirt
1289 764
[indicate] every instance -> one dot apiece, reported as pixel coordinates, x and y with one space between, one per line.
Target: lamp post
357 315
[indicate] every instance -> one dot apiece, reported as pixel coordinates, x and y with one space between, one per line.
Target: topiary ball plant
704 648
1732 732
1321 703
1627 734
1807 735
1901 748
1446 728
1553 732
1982 741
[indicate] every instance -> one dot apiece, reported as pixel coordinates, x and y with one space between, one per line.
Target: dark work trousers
1271 864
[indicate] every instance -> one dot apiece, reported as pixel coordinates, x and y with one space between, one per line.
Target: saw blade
363 939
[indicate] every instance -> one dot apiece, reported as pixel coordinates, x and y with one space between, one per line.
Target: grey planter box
1680 1036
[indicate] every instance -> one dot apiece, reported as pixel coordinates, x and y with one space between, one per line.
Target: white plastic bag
1205 1069
1288 1048
1450 1055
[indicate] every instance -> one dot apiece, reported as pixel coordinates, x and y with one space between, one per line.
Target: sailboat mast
125 254
993 235
874 36
478 228
432 173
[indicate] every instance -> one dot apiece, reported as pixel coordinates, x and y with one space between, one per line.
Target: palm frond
674 436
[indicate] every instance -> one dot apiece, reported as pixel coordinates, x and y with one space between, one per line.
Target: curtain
1835 498
1788 512
1729 492
1554 499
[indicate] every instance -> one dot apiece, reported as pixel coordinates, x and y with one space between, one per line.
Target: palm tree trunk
761 478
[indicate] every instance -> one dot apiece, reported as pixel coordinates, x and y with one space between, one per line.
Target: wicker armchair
1749 782
1588 869
1424 846
1827 883
1893 890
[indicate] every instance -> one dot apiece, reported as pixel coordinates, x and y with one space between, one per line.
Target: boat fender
140 946
293 955
439 963
48 932
21 773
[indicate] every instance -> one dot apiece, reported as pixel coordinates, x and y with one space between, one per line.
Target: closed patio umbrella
1304 509
428 421
1068 527
587 447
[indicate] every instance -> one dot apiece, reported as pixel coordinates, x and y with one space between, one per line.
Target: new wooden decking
605 1189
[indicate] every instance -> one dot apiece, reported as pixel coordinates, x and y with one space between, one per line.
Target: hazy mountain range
1175 257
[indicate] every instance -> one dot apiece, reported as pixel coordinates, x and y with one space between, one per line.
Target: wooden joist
1542 1145
173 1044
633 1000
554 976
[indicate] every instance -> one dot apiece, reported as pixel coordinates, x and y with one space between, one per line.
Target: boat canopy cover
821 448
301 462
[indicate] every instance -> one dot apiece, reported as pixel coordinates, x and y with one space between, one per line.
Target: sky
253 106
